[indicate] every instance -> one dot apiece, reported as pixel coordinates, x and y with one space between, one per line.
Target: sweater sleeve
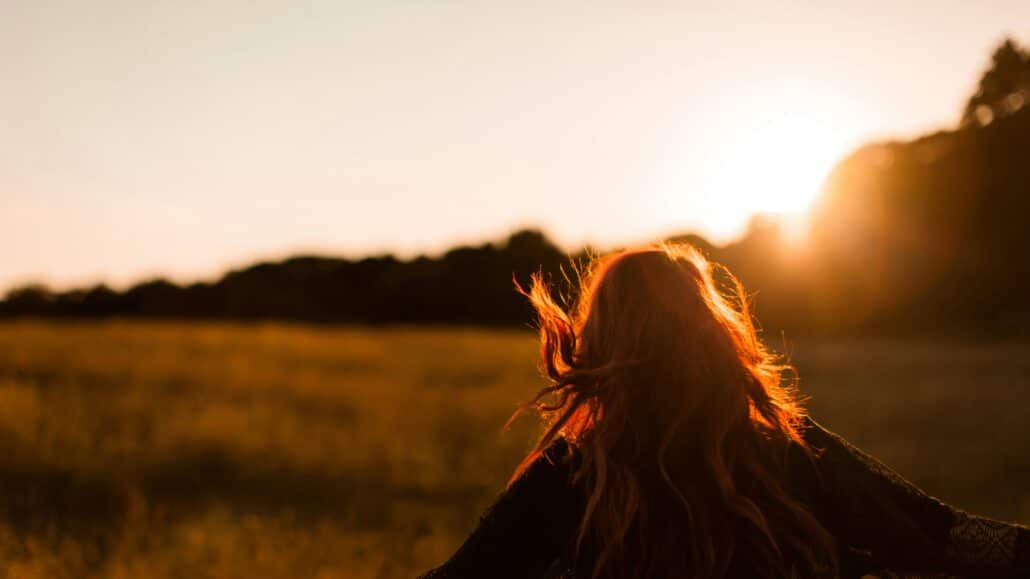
873 509
524 532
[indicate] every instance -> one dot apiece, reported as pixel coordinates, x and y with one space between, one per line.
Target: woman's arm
869 507
526 529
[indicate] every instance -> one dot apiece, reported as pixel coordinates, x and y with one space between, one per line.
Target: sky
181 138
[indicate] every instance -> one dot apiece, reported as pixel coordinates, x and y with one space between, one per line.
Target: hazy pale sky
181 137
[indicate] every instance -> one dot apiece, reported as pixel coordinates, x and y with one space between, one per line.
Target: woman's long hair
680 418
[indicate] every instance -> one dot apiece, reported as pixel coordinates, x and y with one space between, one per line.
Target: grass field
163 450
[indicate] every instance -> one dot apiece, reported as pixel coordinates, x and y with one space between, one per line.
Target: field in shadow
221 450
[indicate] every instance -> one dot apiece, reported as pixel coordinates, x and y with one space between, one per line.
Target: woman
674 448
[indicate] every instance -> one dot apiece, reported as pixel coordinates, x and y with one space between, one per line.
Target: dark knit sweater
883 524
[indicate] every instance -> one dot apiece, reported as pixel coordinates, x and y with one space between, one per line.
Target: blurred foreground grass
135 449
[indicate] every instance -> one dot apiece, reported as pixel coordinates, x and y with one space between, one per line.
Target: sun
768 154
773 164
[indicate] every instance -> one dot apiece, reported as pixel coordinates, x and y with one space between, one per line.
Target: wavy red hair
680 417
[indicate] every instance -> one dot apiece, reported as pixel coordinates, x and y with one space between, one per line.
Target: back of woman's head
678 412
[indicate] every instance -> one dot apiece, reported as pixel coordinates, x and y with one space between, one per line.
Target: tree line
927 235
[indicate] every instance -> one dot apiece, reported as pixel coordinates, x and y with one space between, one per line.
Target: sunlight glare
769 155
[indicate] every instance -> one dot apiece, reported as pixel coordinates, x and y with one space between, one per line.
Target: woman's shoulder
823 444
819 436
822 460
830 448
553 465
561 451
829 453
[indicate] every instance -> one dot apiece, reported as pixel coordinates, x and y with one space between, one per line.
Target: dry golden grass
138 449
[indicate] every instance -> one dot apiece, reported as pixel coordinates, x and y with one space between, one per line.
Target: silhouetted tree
28 300
1004 87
